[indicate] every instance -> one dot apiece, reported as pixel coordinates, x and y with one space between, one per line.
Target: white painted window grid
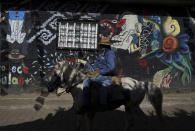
77 35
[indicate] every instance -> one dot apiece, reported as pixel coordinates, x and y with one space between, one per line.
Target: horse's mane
66 69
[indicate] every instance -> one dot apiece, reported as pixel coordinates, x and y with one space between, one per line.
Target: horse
129 93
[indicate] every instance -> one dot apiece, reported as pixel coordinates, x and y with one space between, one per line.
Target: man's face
100 49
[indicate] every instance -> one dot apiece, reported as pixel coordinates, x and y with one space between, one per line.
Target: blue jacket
106 62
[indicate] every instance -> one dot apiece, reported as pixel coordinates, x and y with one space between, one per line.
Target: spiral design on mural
171 27
45 35
170 44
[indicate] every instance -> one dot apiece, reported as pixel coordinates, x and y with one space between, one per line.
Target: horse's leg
141 115
79 122
155 97
139 112
90 117
130 116
79 119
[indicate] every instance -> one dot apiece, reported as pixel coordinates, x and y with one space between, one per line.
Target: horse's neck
77 92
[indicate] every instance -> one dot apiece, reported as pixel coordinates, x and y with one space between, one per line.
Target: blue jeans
104 81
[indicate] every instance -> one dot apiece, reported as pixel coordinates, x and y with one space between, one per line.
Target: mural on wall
32 55
130 27
47 31
110 27
160 37
46 63
163 79
46 38
15 37
15 75
136 34
31 51
14 49
174 51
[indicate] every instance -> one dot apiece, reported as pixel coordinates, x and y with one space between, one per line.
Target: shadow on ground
108 121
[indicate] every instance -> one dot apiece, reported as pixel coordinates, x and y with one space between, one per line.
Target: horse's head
67 75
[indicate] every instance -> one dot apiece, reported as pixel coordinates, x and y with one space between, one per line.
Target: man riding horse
125 90
103 70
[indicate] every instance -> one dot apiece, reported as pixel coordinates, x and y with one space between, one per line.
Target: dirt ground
17 113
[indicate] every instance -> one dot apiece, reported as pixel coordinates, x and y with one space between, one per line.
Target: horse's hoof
3 93
37 107
40 100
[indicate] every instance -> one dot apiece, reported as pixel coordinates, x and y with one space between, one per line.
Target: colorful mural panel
160 37
155 45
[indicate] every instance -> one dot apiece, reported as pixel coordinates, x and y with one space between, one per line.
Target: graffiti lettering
19 70
25 70
21 81
2 68
15 69
13 80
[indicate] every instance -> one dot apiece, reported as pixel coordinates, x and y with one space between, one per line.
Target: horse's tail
155 97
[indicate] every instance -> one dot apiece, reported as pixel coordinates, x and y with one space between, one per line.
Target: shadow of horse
107 121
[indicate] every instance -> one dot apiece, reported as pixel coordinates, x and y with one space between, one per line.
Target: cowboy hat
105 41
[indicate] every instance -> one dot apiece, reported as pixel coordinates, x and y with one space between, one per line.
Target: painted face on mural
131 29
110 27
17 54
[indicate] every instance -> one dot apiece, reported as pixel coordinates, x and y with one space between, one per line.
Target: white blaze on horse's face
59 67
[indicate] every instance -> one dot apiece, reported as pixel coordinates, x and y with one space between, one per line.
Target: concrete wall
155 45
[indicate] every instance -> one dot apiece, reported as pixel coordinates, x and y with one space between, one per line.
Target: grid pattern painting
78 35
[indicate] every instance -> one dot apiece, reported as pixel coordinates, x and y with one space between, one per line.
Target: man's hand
116 80
93 74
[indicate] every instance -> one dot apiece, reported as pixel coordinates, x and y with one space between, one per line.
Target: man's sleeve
110 63
95 64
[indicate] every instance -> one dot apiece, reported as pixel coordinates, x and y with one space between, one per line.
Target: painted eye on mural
114 21
121 23
106 30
